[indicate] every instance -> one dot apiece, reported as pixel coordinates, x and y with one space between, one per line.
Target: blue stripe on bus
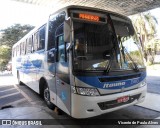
94 81
28 65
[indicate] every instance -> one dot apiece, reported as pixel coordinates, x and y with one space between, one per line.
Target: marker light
85 91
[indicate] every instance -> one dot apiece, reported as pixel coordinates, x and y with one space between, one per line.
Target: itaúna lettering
113 85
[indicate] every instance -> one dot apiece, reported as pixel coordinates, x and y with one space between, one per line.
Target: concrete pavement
24 113
151 102
28 113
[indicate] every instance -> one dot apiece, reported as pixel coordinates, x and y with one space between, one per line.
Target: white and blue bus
85 61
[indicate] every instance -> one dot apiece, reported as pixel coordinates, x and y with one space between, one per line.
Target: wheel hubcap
46 95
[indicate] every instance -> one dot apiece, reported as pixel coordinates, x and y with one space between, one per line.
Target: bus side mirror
69 46
67 30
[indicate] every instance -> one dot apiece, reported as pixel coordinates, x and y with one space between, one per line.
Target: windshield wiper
108 66
135 65
109 57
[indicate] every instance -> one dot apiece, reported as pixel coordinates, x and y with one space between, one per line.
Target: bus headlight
85 91
144 83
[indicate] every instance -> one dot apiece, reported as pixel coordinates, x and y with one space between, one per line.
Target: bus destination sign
89 17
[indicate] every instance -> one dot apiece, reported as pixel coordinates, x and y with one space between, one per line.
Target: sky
155 12
12 12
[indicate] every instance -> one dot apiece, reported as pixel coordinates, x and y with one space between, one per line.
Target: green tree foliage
9 37
5 53
14 33
145 25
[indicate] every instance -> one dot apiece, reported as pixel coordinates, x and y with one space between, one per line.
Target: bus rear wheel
46 96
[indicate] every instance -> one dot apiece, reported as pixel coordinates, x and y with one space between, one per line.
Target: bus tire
46 96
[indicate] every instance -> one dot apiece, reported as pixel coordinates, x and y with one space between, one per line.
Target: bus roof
66 9
87 9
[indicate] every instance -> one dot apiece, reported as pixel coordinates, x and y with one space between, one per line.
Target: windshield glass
96 46
130 49
93 46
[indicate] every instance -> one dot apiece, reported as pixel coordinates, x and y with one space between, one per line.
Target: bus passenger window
18 50
42 38
61 49
29 45
54 23
13 51
35 44
23 48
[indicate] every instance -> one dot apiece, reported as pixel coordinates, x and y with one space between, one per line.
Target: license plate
123 99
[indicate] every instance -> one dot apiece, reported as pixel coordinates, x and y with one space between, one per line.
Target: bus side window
42 38
54 22
29 45
51 34
21 45
17 50
25 47
21 48
61 48
32 38
13 52
35 44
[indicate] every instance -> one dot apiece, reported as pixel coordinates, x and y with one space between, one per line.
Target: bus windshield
97 47
129 45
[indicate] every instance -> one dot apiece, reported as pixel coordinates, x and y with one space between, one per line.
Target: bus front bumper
89 106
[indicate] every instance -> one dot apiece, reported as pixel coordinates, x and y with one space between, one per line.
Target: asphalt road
14 95
153 81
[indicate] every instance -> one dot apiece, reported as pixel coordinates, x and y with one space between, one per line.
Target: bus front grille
118 78
114 103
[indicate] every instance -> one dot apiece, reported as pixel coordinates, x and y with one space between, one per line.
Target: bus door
62 73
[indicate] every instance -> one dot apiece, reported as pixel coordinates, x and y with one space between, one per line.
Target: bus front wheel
46 96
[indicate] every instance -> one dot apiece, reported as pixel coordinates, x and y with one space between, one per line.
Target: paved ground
28 105
153 80
13 95
153 96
